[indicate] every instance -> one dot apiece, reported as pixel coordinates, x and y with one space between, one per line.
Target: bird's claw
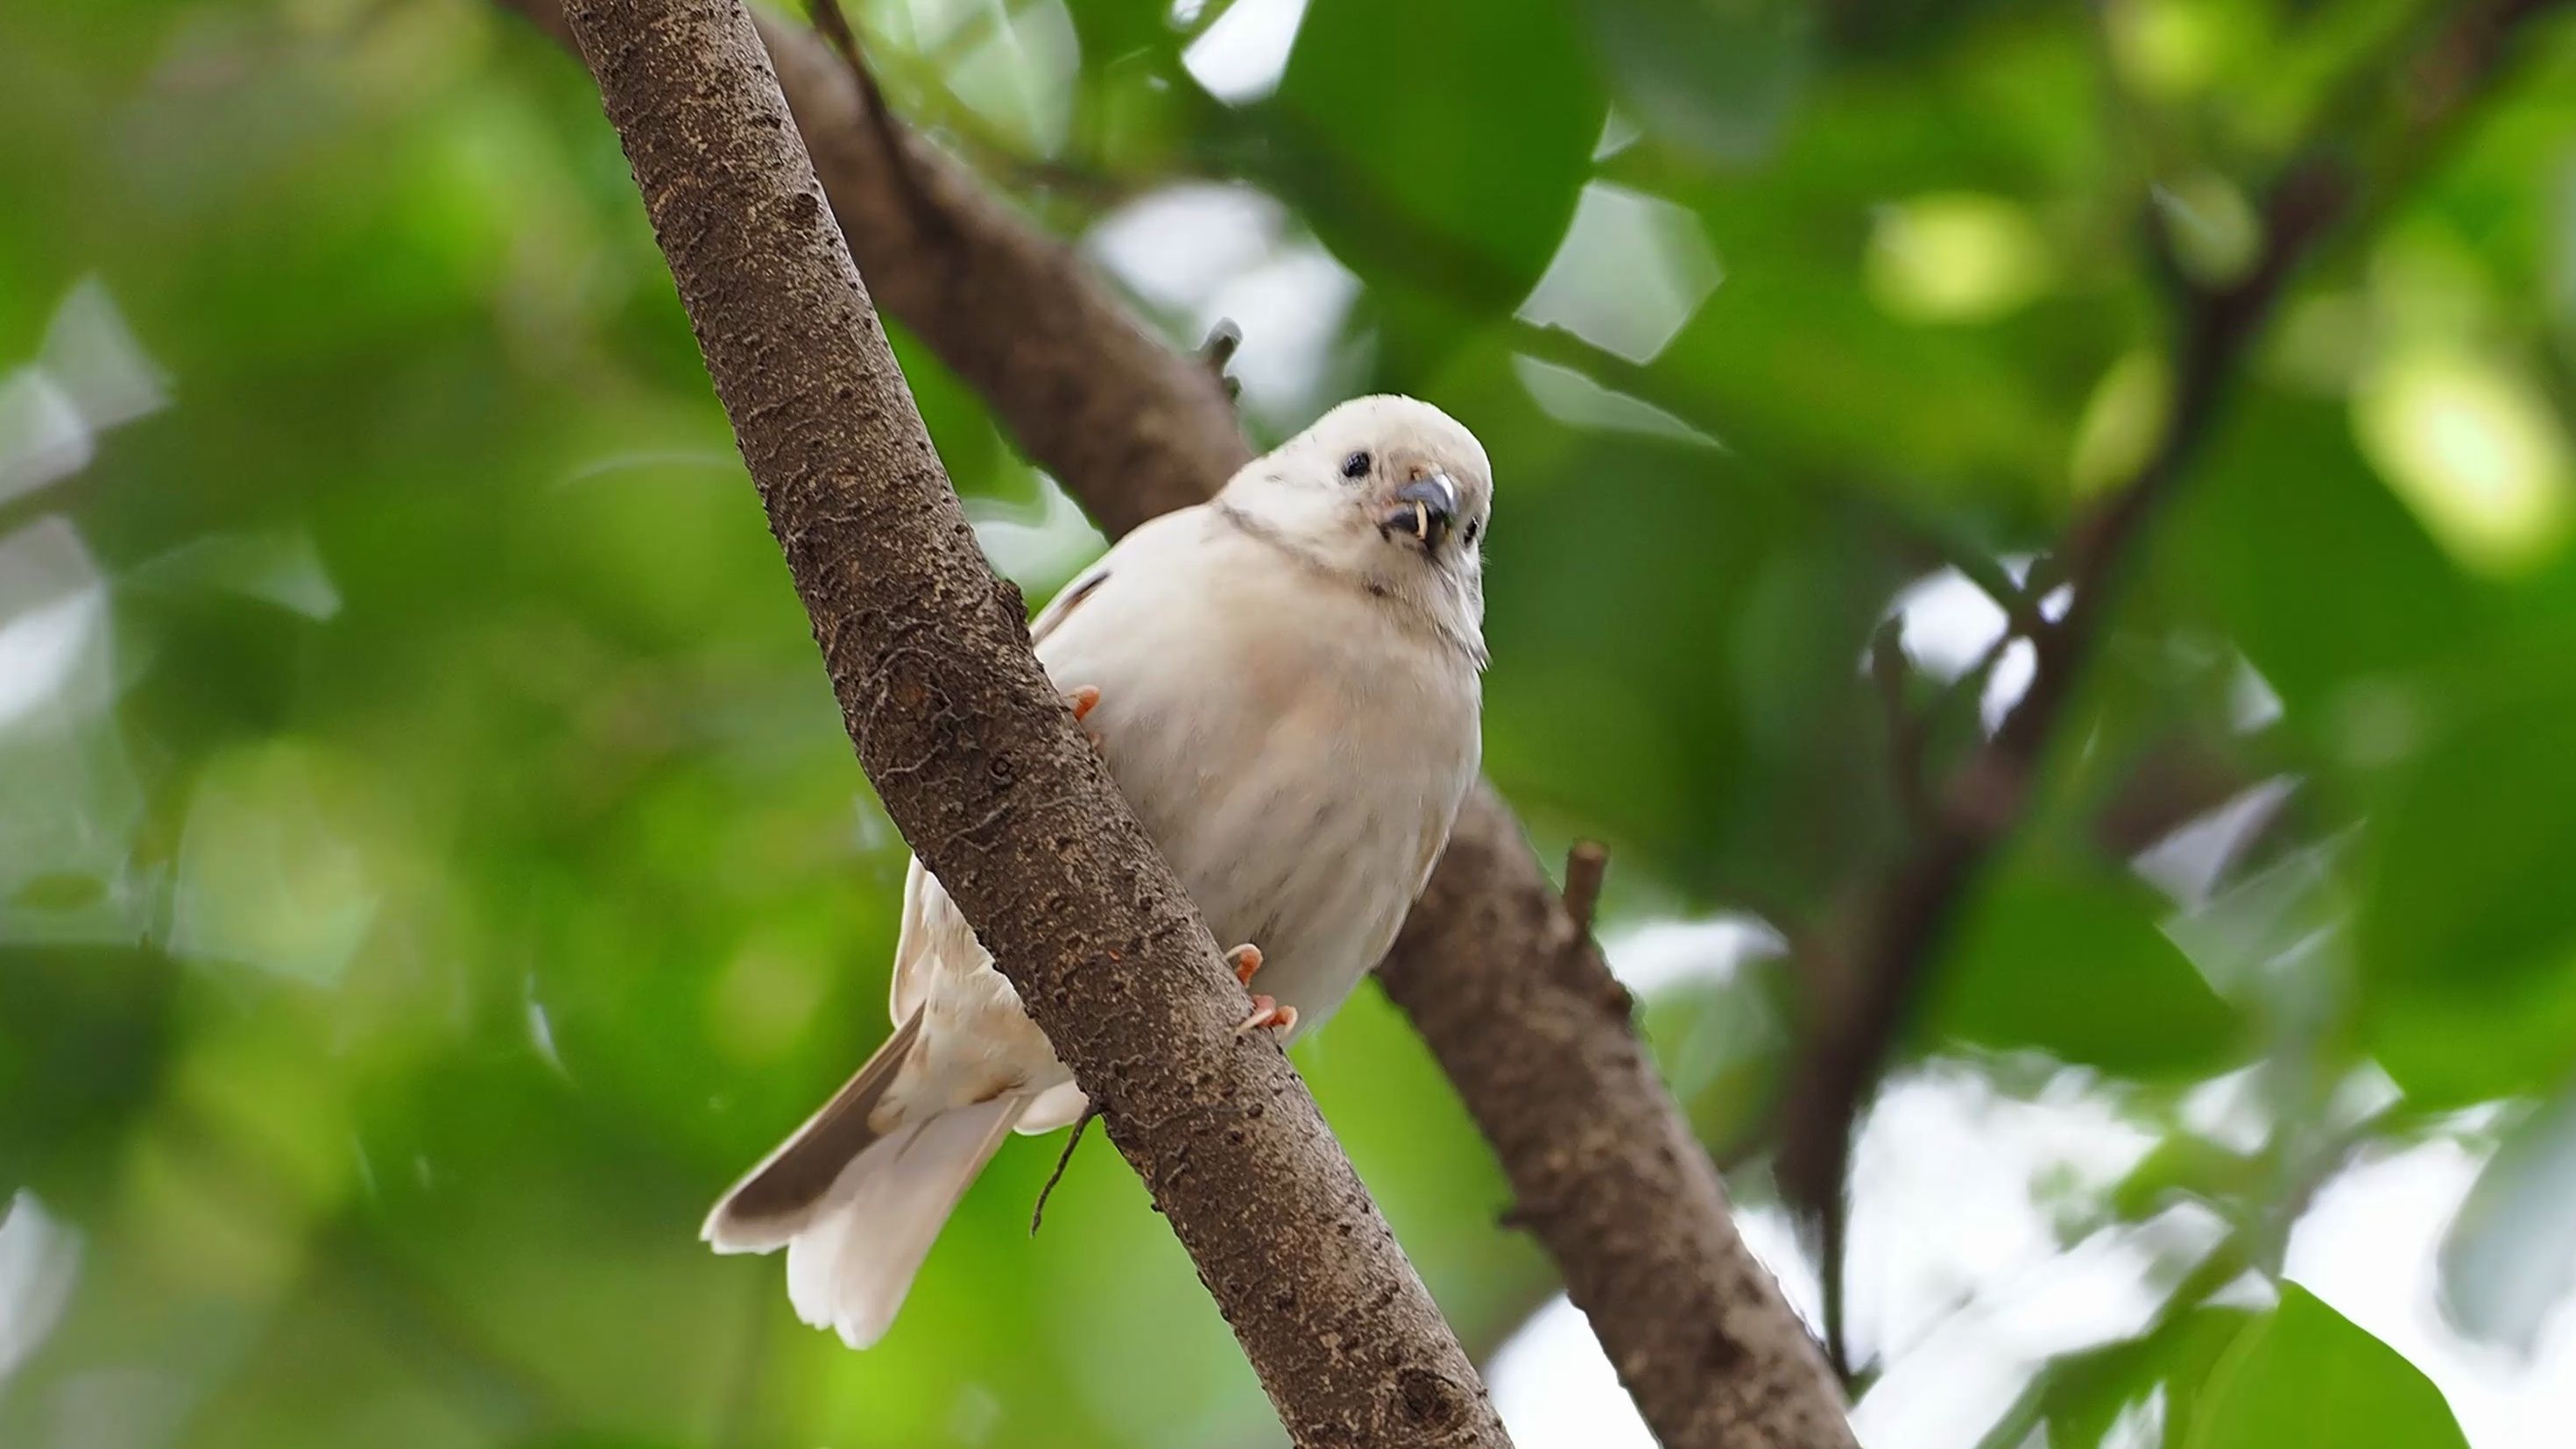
1266 1011
1082 699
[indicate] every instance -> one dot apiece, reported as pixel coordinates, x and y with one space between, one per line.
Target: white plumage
1288 698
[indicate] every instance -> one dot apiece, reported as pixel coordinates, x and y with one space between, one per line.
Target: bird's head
1390 492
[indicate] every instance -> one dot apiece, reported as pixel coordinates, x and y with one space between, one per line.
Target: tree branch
1858 1005
1132 427
1569 1098
981 765
835 29
1515 999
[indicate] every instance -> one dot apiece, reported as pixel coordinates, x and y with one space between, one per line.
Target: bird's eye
1355 466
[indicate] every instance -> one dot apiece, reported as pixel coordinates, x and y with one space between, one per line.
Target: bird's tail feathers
850 1265
777 1199
857 1208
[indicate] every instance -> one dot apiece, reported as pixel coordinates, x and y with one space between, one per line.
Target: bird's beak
1424 509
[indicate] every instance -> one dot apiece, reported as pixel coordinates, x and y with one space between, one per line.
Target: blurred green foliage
431 865
2350 1389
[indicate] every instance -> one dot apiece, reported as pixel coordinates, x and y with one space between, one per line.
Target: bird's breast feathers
1296 750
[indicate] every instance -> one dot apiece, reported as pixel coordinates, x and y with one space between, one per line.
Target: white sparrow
1284 683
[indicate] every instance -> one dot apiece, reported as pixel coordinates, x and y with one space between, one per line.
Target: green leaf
1444 141
2364 593
60 890
281 568
1113 31
2086 1393
85 1035
2475 839
2076 966
2304 1374
2466 932
1714 78
2185 1166
2451 1048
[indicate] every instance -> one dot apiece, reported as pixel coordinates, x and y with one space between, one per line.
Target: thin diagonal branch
834 27
1906 727
982 767
1858 1002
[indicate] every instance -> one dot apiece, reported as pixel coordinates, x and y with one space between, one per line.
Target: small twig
1833 1235
2019 601
1894 674
1094 188
1972 681
1223 340
999 159
1037 1214
835 28
1585 864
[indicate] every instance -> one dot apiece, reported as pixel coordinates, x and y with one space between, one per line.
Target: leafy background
431 867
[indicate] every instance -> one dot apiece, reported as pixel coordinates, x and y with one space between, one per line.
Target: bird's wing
1069 598
931 923
1153 547
911 944
1106 616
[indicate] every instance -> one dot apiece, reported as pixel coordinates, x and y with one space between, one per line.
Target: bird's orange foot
1082 699
1266 1011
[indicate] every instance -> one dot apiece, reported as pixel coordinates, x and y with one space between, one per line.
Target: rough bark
1603 1169
1134 428
980 764
1082 387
